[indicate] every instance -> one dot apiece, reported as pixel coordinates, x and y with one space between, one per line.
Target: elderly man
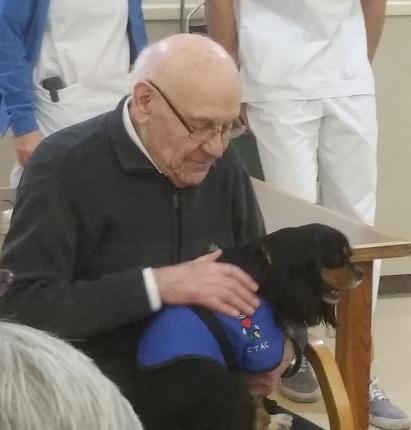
116 216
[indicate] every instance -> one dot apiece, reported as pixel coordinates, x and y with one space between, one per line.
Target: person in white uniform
63 62
308 97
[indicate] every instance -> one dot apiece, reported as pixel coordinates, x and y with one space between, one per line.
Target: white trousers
323 150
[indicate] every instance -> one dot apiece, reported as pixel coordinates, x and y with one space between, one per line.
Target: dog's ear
296 291
328 314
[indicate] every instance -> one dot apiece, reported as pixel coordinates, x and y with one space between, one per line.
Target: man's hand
263 384
219 287
26 144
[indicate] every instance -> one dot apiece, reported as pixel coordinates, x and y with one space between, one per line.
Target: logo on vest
249 329
259 347
253 333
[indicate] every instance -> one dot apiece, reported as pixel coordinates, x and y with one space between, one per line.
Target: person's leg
347 158
286 132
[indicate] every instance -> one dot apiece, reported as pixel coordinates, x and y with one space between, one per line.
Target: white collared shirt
153 293
133 135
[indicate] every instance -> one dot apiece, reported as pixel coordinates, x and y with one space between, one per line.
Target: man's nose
214 146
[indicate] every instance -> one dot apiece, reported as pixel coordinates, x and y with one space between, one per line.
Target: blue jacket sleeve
16 87
137 29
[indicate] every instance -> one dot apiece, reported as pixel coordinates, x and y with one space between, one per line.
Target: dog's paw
281 422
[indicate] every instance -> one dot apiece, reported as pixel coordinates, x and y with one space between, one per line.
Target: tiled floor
392 336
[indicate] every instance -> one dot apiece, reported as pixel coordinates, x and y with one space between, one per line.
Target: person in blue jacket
62 62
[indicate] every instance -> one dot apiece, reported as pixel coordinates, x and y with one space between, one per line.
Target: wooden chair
337 403
343 380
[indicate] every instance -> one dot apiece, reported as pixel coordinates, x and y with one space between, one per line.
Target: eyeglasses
228 131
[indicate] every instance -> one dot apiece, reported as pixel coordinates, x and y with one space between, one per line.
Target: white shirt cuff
153 294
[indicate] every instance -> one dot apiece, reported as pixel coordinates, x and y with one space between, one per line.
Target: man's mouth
203 163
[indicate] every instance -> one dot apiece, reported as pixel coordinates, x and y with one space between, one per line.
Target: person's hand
26 144
219 287
263 384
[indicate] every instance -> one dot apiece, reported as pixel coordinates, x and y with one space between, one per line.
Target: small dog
301 273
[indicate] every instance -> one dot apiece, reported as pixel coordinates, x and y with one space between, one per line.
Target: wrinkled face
189 134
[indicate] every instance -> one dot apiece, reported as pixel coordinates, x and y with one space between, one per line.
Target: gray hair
46 384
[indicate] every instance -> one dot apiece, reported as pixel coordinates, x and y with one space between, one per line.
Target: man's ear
142 102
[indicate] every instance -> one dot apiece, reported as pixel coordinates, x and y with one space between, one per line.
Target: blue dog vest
177 332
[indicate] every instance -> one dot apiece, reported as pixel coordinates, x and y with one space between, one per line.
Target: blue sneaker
383 413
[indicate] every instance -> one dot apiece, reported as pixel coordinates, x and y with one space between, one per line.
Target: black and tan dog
301 272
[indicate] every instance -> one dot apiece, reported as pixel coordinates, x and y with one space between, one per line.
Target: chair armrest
335 396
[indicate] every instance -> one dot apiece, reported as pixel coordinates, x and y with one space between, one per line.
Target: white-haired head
46 384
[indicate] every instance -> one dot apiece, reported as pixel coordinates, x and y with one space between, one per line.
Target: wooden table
353 335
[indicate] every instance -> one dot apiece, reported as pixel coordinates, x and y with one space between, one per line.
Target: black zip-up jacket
91 212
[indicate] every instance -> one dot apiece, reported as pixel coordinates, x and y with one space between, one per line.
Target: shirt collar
128 125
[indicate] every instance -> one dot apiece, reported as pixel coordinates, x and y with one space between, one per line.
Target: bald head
185 97
185 64
181 56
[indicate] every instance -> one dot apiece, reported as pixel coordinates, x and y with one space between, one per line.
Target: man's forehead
217 116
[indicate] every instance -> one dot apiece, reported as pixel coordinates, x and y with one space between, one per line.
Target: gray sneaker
303 386
383 413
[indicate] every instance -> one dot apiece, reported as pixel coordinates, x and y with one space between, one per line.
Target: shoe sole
299 397
390 424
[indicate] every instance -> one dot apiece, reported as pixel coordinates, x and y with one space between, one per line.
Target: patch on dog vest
177 332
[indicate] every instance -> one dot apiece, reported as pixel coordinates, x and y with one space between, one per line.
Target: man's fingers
246 295
238 303
241 276
227 309
236 294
